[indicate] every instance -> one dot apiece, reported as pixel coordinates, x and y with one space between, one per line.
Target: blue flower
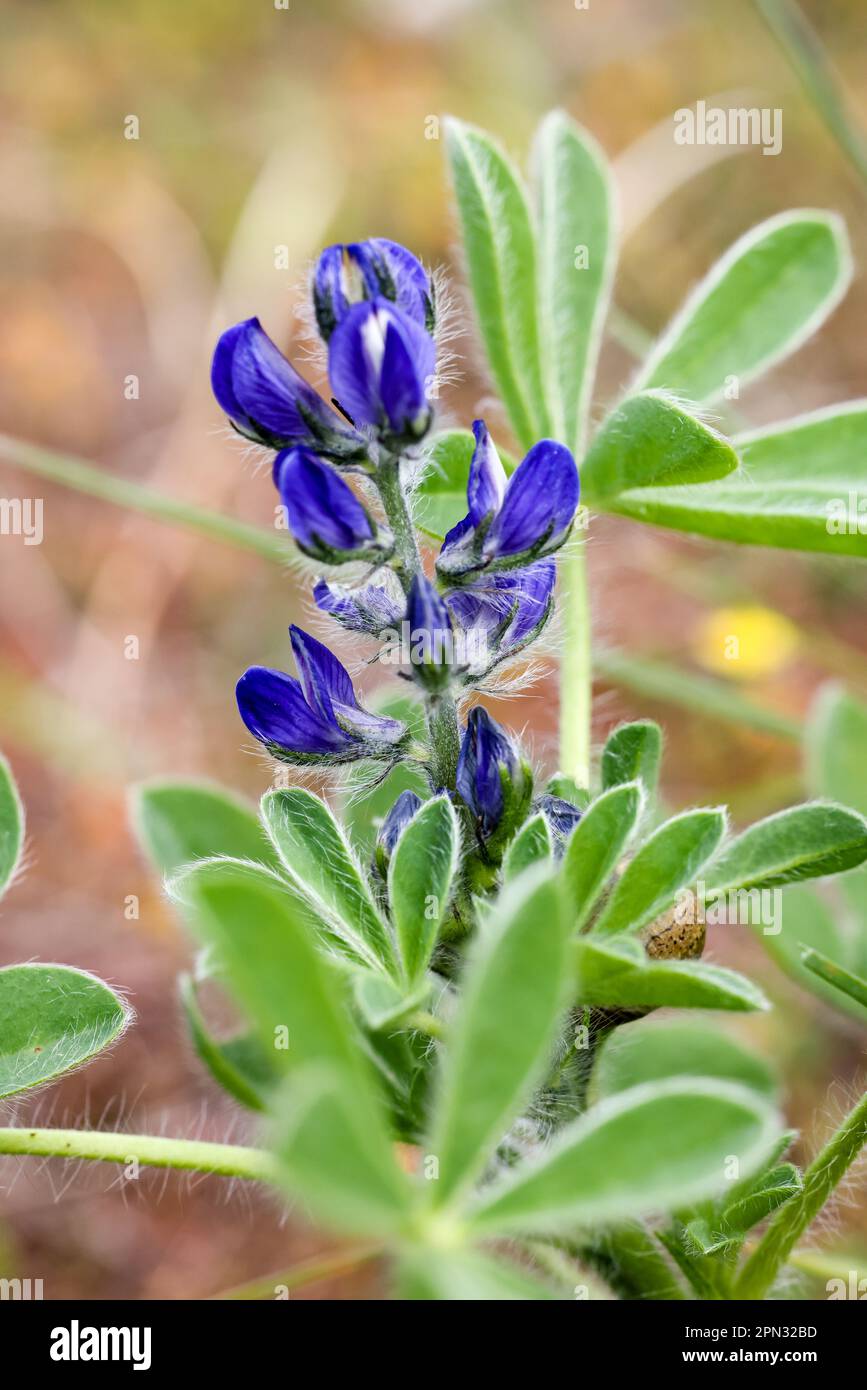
493 782
316 717
510 523
373 608
269 402
508 609
431 636
324 514
393 827
562 816
381 364
377 268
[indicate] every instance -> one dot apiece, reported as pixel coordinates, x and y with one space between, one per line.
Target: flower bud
373 609
325 517
381 364
373 269
269 402
493 781
431 636
392 828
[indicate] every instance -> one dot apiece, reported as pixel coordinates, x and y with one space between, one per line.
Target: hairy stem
445 738
407 562
793 1218
150 1150
576 667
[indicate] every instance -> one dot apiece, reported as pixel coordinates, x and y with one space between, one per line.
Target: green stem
834 974
300 1275
793 1218
152 1151
390 486
576 668
75 473
442 715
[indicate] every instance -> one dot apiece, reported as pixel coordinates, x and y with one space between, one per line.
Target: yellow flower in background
745 643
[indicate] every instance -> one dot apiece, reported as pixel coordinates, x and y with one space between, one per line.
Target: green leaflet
501 260
576 264
531 845
513 990
466 1276
798 488
651 441
11 825
835 975
618 974
53 1019
801 842
317 856
239 1064
759 303
596 846
651 1050
177 822
632 753
668 861
337 1156
420 877
651 1148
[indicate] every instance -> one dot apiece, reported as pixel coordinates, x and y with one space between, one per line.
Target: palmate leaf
319 861
759 303
514 986
651 1148
651 1050
52 1020
670 859
618 974
177 822
577 252
799 487
11 825
500 251
330 1122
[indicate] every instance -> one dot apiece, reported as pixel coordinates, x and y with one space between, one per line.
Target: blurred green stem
805 52
151 1151
75 473
576 667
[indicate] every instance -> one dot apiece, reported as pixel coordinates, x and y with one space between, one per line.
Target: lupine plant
449 990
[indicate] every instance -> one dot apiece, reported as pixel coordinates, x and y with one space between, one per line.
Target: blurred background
259 134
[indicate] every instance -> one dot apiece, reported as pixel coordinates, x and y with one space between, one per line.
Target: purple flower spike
325 517
511 523
316 716
381 364
269 402
373 269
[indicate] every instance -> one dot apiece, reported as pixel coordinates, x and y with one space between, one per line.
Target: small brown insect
677 934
